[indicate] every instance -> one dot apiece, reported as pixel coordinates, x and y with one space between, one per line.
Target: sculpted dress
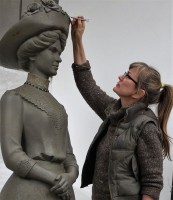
34 130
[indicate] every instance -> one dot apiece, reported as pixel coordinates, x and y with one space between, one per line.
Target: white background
119 32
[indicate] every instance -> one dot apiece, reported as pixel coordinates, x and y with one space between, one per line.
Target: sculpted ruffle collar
43 100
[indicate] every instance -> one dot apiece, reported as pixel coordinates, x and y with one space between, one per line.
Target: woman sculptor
125 159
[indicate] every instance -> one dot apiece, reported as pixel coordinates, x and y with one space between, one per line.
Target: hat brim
26 28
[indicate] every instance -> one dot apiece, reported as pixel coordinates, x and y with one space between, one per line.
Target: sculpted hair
36 44
156 93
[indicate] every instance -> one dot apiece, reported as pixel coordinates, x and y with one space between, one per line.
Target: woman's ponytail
164 109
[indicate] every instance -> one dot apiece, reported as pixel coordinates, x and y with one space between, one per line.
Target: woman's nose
121 78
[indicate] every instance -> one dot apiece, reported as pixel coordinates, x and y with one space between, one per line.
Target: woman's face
46 62
126 86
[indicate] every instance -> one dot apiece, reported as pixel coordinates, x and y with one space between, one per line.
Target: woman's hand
63 182
78 27
77 30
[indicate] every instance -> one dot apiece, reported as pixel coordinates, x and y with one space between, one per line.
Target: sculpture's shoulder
10 97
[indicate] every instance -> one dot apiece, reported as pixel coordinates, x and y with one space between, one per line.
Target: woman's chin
115 89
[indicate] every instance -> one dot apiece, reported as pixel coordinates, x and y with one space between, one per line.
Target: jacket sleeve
97 99
11 135
150 160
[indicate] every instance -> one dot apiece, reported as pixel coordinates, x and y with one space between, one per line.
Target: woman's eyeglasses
126 74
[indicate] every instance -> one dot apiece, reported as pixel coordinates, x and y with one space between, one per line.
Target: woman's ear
139 94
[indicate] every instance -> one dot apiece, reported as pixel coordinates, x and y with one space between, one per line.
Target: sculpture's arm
11 135
70 162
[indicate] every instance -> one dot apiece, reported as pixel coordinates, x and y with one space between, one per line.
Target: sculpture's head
43 24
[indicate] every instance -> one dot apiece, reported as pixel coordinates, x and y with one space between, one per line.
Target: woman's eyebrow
129 72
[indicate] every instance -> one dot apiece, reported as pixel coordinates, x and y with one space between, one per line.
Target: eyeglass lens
126 74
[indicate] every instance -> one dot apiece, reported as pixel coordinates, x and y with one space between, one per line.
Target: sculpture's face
46 63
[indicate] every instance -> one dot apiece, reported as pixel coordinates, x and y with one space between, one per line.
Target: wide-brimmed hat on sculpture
40 16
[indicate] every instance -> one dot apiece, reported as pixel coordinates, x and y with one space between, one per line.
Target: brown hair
156 93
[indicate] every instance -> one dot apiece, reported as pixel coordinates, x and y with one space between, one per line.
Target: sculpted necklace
37 82
43 89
